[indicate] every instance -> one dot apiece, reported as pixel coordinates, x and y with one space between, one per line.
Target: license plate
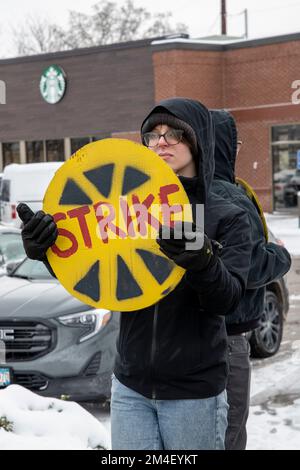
5 377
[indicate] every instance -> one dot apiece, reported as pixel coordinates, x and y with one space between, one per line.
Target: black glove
195 257
39 232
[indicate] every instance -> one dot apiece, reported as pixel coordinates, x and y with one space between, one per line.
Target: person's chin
172 166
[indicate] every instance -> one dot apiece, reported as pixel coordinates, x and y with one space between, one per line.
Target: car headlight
92 320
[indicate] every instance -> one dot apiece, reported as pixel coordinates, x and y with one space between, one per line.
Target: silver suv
50 342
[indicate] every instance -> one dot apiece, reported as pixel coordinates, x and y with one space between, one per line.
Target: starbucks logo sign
53 84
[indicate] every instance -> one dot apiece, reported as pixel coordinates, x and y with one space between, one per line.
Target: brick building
109 89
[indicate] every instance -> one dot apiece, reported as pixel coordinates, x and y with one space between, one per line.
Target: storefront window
11 153
286 165
55 150
76 144
94 138
35 151
286 133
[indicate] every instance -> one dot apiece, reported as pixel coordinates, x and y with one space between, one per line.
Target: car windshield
31 269
11 247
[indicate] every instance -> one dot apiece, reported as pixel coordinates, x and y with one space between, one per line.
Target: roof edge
158 44
201 44
77 52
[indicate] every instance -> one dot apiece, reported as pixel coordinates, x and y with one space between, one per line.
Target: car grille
31 381
28 341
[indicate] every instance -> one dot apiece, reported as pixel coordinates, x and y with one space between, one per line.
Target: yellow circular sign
108 200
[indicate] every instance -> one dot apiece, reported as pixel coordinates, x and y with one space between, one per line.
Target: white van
24 183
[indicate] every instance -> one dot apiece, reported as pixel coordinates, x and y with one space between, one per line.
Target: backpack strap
254 198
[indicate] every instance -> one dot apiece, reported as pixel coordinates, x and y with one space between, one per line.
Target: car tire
266 339
288 201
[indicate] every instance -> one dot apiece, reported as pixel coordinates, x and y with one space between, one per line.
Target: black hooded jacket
268 261
177 348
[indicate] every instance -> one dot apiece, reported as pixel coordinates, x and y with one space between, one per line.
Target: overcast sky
266 17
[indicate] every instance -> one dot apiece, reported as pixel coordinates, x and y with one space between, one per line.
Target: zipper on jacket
153 348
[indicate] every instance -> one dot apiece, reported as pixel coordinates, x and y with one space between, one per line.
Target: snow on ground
46 423
276 377
274 419
274 426
287 229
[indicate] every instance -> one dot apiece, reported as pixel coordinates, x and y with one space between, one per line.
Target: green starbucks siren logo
53 84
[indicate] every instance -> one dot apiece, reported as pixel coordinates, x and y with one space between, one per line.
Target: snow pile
28 421
287 229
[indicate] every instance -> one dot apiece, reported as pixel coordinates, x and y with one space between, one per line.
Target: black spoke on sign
133 178
89 285
101 178
127 287
159 267
73 195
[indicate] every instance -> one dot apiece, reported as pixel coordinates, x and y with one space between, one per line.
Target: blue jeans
139 423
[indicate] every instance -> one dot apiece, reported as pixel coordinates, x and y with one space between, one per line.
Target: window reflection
76 144
55 150
11 153
35 151
94 138
286 165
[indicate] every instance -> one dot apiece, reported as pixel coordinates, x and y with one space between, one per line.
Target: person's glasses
172 137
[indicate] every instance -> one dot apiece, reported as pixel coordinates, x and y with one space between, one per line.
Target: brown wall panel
106 92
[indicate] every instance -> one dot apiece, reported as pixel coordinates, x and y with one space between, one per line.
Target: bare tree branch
108 23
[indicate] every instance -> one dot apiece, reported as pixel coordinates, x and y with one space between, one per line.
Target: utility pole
246 23
224 17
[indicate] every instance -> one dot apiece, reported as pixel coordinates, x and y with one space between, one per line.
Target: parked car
24 183
11 247
266 339
291 190
281 180
55 345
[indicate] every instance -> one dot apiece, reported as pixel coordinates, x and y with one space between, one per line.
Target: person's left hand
185 246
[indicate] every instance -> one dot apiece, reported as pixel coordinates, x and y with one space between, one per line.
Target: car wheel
288 202
266 339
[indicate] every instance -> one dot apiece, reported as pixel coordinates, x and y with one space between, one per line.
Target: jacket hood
199 118
226 145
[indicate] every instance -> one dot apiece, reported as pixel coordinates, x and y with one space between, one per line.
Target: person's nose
162 141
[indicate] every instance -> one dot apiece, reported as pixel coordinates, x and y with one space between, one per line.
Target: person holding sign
168 388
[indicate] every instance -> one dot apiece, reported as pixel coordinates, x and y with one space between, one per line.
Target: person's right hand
39 232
